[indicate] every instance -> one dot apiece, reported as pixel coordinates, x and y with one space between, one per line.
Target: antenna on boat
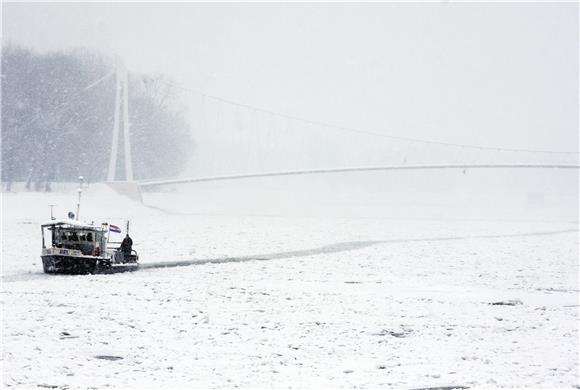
80 191
52 218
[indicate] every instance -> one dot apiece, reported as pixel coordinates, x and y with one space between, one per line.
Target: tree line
57 119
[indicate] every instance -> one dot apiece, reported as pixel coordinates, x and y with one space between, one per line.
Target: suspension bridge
236 141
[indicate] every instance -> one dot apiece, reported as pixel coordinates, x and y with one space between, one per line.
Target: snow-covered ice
302 301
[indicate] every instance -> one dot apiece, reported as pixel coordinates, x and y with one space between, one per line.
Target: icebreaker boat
73 247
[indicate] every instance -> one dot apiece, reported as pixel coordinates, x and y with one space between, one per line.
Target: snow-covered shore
310 301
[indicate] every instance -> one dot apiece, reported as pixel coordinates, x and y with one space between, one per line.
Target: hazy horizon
502 75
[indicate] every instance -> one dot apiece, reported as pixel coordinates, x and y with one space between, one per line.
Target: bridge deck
157 182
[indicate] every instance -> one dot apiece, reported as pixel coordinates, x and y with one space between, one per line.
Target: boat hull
55 264
76 265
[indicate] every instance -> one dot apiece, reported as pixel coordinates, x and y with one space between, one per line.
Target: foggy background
486 75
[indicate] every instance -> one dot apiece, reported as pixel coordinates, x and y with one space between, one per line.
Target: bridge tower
121 120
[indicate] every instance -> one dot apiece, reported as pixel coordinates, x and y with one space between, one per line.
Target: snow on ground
292 301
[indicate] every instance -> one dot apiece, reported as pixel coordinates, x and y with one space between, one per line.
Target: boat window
71 238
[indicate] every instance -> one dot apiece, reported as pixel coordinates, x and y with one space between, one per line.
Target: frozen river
227 300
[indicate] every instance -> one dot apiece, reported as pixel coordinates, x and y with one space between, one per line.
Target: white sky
490 74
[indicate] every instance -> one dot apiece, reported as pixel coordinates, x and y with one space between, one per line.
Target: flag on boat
115 228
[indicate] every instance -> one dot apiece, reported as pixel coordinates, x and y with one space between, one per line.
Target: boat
73 247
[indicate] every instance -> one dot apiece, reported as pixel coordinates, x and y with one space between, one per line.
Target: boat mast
80 191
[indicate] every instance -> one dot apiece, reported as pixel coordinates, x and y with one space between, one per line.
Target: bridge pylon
121 121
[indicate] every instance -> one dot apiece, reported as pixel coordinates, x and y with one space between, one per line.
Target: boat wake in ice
336 248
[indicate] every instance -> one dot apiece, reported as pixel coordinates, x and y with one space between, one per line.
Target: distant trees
57 123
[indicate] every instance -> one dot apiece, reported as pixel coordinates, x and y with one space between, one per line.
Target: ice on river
301 301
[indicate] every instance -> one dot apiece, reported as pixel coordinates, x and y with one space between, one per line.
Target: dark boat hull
73 265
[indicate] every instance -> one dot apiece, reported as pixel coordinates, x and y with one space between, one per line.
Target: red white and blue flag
115 228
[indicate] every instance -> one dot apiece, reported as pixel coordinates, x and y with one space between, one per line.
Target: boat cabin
72 236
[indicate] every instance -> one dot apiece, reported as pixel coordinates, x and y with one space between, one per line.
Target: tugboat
73 247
